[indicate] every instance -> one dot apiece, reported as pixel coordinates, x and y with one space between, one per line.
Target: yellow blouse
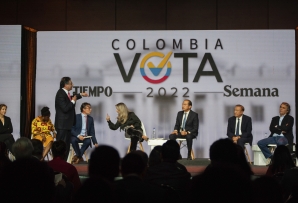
39 127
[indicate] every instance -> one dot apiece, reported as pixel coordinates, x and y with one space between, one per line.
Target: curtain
28 75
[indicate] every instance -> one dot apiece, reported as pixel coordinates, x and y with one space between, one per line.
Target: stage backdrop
10 73
152 72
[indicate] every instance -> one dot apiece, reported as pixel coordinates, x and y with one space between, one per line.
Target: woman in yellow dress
42 127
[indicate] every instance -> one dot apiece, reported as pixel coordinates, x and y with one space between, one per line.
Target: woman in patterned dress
44 130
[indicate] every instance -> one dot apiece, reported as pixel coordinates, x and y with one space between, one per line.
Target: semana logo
155 70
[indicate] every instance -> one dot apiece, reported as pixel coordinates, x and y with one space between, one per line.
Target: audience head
27 180
224 151
45 113
22 148
133 163
3 109
66 83
3 150
59 149
284 108
143 155
170 151
282 159
221 184
37 148
104 162
155 156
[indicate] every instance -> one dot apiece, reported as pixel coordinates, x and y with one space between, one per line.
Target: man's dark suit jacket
77 128
191 124
246 127
286 125
65 111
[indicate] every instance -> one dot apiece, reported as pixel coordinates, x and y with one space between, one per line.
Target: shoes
145 138
79 160
268 161
189 158
74 159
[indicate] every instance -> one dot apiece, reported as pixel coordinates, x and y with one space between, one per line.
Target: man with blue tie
81 131
187 126
240 127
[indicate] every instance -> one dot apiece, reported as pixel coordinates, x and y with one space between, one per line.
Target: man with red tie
65 111
81 132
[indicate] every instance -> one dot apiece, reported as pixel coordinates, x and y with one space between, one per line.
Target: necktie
183 123
86 134
69 96
237 129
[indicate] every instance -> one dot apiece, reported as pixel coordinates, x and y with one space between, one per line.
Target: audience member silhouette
225 152
27 180
132 188
103 167
4 160
58 164
155 156
22 148
169 173
267 190
289 184
37 149
227 178
281 161
104 163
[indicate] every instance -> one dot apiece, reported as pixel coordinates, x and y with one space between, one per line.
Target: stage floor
194 167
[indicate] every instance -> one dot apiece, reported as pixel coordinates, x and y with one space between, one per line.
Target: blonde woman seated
42 127
130 123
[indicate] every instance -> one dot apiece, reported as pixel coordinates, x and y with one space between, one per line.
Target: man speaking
65 111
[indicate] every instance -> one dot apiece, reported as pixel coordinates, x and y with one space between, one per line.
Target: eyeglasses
88 108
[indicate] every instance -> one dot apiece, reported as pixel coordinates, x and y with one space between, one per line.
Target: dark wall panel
191 15
8 12
42 15
283 14
90 14
242 14
141 15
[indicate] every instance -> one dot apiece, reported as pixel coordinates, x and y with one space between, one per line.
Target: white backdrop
244 59
10 73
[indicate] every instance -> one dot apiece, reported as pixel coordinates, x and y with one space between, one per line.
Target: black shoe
189 158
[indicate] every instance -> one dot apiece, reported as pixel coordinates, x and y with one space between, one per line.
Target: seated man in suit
187 125
281 128
240 127
84 127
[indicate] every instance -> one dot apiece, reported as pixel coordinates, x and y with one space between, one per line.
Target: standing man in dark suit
65 111
187 125
84 127
281 128
240 127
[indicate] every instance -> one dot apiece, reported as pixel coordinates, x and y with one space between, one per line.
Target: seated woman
42 128
129 122
6 128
